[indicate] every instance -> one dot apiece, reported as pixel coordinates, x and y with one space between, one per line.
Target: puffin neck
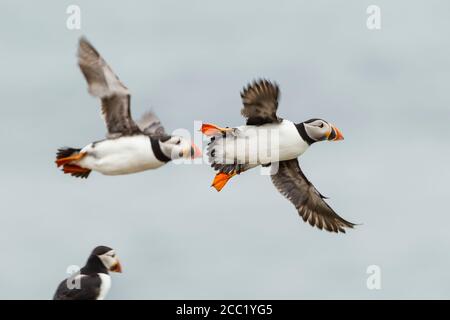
94 265
302 131
156 147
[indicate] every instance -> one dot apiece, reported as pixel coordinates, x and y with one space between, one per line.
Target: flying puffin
93 281
269 140
129 146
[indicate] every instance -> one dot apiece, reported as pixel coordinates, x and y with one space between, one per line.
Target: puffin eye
178 142
321 125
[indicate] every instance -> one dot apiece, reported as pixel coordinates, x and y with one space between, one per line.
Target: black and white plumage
269 140
93 281
129 146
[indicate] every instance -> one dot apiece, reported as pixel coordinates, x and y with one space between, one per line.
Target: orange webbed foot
210 129
221 179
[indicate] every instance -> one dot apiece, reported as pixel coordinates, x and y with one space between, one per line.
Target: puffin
93 281
270 141
129 146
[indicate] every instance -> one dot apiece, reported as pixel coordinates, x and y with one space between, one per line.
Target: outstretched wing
150 125
310 204
260 101
104 84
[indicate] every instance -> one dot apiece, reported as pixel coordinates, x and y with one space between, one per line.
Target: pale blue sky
386 90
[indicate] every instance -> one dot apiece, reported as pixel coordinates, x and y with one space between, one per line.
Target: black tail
74 170
66 152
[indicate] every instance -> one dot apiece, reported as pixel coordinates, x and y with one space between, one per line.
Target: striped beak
195 151
116 267
335 134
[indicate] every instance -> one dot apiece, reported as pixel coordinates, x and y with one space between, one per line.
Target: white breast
121 156
262 144
105 285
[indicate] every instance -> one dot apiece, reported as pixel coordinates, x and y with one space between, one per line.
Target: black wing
260 101
150 125
310 204
104 84
89 289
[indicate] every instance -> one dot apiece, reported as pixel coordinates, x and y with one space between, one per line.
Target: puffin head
315 130
177 147
108 258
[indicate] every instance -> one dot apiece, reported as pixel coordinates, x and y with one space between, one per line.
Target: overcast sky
387 90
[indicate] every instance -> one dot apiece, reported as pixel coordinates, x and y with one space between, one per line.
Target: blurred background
387 90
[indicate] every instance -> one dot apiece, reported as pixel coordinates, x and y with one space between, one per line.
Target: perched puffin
129 146
93 281
269 140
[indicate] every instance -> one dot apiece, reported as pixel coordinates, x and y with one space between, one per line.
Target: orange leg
76 157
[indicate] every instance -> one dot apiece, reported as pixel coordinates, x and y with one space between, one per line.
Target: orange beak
196 152
335 134
117 267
